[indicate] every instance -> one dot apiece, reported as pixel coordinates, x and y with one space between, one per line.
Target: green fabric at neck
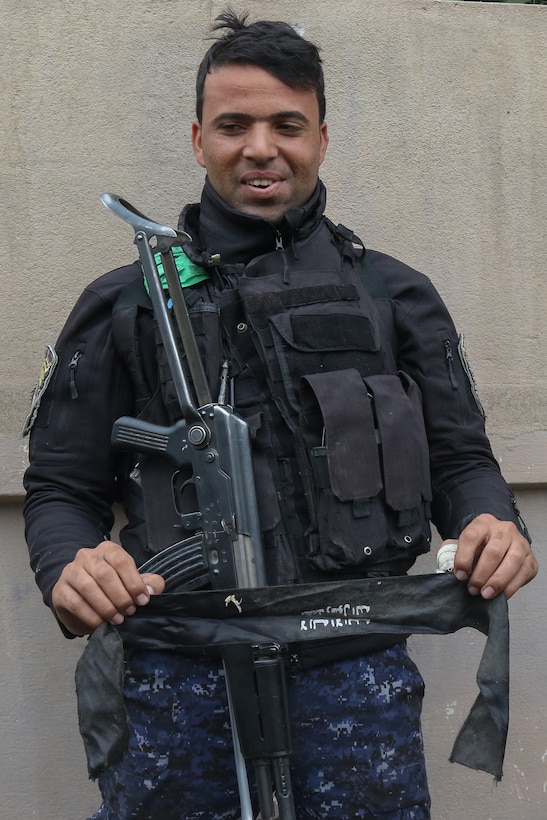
189 273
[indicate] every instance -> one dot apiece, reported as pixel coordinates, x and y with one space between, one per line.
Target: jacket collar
218 229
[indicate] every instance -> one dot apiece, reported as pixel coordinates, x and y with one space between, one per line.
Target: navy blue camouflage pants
357 744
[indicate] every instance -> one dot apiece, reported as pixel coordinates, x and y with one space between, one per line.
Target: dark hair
272 45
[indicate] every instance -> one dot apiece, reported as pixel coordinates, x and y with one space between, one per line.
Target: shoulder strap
372 280
134 294
125 335
352 247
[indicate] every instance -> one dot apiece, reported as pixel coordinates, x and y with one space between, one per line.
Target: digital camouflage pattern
180 763
379 737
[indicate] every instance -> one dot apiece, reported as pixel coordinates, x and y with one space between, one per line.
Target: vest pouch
369 474
404 453
322 337
322 321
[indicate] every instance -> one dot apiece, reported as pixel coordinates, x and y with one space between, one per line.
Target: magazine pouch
367 450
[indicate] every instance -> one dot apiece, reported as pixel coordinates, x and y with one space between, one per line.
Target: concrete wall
436 112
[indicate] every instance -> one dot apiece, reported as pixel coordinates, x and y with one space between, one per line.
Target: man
287 299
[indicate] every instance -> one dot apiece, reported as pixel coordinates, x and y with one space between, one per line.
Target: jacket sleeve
71 481
466 479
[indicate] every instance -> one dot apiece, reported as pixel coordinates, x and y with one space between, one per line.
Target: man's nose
260 144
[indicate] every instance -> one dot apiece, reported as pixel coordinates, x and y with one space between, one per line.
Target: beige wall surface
436 112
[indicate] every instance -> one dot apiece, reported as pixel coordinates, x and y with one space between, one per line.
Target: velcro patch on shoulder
48 368
468 372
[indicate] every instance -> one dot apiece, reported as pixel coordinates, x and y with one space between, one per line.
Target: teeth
260 183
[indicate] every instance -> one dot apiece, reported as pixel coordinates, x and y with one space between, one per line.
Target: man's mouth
262 180
259 183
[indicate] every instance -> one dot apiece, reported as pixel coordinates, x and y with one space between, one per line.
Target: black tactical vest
340 451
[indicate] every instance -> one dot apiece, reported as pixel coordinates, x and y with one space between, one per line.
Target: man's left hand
493 557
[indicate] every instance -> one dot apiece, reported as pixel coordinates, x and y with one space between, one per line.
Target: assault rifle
227 548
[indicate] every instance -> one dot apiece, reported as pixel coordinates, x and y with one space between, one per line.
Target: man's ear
324 141
196 143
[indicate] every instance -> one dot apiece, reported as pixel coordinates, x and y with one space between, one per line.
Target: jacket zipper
449 356
280 248
72 365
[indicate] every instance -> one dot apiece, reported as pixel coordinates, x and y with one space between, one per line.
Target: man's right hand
101 584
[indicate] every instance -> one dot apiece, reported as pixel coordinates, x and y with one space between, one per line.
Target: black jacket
74 477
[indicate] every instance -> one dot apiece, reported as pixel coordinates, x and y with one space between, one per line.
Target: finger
526 573
91 589
101 583
496 564
74 611
154 583
518 567
100 590
471 544
115 572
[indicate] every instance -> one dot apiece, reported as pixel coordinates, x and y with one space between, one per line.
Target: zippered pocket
460 377
72 366
449 359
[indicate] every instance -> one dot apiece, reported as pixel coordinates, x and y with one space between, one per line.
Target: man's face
259 140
